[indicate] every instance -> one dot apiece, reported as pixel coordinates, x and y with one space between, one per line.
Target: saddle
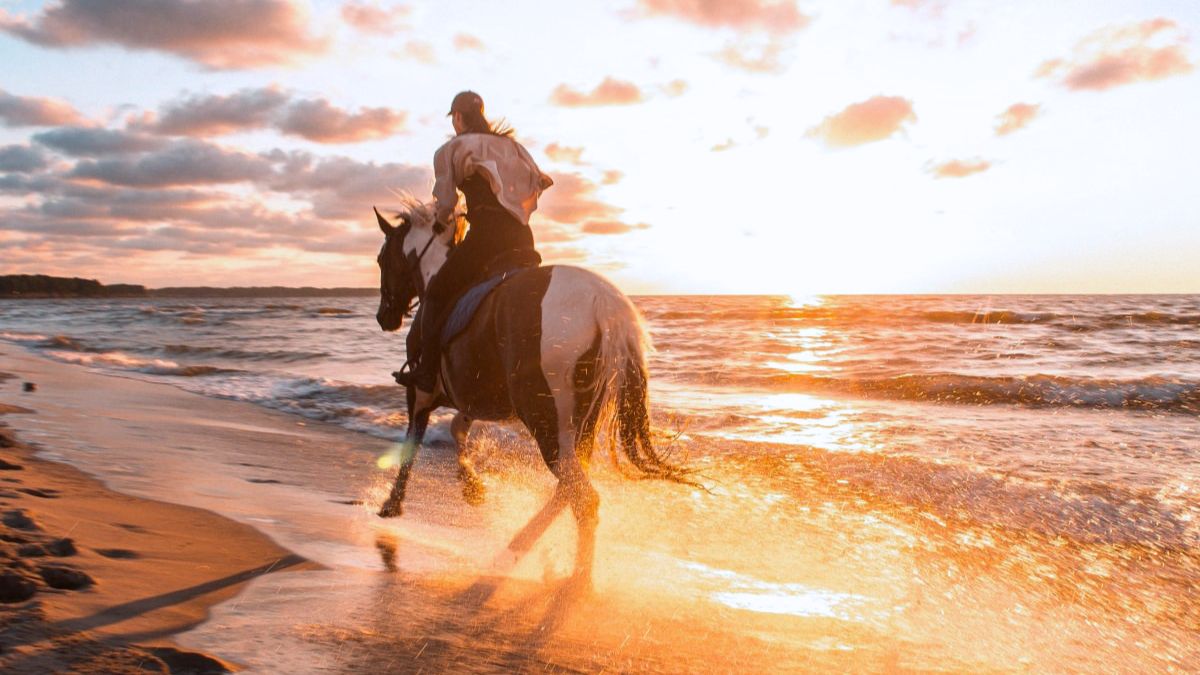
468 302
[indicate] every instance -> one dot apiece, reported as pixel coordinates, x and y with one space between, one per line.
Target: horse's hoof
391 510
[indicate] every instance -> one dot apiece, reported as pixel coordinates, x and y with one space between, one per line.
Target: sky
698 146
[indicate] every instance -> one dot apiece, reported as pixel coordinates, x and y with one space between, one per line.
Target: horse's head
412 253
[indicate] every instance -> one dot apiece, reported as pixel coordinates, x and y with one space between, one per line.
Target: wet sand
97 581
789 564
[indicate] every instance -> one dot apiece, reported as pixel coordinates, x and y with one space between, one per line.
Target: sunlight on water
748 593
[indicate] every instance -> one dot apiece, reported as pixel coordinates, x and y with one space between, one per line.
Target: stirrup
406 376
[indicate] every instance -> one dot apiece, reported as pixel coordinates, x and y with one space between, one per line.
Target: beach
893 484
99 581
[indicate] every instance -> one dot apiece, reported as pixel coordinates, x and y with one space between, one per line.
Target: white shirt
514 177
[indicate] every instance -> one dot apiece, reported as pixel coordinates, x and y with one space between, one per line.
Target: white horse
559 348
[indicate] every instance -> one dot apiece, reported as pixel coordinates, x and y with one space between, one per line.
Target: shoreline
97 579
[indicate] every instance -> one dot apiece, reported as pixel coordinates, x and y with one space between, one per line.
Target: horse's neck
433 261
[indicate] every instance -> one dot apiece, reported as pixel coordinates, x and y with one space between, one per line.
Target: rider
501 183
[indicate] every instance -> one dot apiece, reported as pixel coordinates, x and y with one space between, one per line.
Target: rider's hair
475 122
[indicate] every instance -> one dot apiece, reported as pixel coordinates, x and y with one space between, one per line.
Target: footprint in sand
9 466
43 493
118 553
264 481
19 519
15 588
59 548
64 578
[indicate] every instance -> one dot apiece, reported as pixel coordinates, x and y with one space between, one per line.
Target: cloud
723 145
868 121
562 153
675 88
212 115
761 131
185 162
958 168
573 199
421 52
23 111
1116 56
612 177
609 92
173 201
316 120
96 142
776 17
1016 117
369 18
752 59
230 34
340 187
610 227
933 7
21 159
466 42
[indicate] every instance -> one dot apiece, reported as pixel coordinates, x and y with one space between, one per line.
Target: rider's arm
445 184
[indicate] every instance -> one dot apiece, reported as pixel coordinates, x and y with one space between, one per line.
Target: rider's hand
438 228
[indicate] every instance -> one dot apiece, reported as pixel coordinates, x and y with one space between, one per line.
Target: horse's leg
472 489
420 406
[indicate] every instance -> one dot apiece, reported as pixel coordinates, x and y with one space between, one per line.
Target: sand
109 577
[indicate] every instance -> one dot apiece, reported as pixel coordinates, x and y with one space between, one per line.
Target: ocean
1009 482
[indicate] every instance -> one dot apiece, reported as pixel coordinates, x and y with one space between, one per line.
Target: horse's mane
421 214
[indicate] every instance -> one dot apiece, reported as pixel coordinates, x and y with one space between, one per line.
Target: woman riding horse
501 183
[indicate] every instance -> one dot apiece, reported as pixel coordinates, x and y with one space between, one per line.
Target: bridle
413 263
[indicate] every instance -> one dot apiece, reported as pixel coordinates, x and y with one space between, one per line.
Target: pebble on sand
15 588
64 577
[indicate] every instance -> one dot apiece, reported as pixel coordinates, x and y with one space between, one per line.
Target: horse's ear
384 225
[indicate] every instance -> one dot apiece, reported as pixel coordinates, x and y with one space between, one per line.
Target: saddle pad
464 310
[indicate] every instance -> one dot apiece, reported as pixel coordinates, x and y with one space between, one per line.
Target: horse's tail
621 401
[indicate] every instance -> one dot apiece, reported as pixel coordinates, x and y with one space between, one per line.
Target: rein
415 271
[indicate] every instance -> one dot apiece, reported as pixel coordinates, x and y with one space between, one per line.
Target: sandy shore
95 580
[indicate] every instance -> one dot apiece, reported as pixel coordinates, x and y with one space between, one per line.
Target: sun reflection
741 591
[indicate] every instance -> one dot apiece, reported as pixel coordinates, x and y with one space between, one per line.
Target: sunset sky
877 146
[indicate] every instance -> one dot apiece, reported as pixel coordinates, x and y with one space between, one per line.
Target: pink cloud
1016 117
609 92
466 42
317 120
874 119
776 17
28 111
610 227
573 199
231 34
761 59
370 18
959 168
675 88
1120 55
563 153
611 177
421 52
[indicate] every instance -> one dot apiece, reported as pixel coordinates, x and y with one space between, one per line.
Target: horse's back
529 329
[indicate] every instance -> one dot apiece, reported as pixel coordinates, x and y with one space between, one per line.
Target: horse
558 348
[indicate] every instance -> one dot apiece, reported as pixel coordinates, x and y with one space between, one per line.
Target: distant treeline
42 286
258 292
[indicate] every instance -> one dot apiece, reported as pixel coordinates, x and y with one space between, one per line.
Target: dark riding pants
494 239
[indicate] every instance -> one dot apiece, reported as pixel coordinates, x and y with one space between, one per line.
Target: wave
124 361
1152 393
242 354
